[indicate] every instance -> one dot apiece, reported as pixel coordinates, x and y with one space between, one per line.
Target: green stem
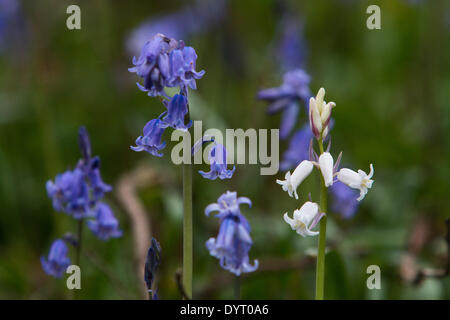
78 251
237 288
187 229
320 271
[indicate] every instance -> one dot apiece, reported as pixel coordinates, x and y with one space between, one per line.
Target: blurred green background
391 87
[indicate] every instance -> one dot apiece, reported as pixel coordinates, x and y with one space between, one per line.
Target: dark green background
392 90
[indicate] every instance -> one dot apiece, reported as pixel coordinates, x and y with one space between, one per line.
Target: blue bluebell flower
182 68
105 225
70 193
298 149
57 261
151 140
176 112
344 200
91 167
153 64
285 98
218 164
233 243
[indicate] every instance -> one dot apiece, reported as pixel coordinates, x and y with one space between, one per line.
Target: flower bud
320 114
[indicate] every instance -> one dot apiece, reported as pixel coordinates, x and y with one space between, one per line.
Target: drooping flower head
91 167
218 163
182 68
153 64
151 140
291 182
233 243
305 219
298 148
69 193
357 180
57 261
176 112
105 225
285 98
344 200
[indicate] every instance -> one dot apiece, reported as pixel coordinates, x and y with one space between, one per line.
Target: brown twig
127 188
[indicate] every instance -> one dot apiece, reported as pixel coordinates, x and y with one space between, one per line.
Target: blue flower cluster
232 244
78 193
165 63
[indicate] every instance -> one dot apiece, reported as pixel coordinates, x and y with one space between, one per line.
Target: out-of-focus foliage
391 87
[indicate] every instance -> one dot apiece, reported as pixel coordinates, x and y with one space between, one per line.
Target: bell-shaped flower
228 203
69 193
176 111
182 68
326 164
291 182
285 98
320 114
357 180
218 163
153 65
105 224
57 261
151 140
233 243
304 219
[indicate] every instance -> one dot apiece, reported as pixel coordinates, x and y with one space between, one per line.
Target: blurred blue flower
151 140
153 64
218 163
291 49
105 225
285 98
182 68
91 167
344 200
232 244
57 261
69 193
198 18
176 111
298 148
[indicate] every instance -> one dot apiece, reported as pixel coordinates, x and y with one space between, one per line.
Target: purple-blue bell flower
153 64
105 225
218 163
285 98
69 193
344 200
298 149
176 111
57 261
182 68
91 167
151 140
232 244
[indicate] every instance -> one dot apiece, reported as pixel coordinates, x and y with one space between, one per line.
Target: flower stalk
187 229
320 269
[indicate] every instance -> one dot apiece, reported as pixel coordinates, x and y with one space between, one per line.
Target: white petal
307 212
326 164
349 177
301 172
289 221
